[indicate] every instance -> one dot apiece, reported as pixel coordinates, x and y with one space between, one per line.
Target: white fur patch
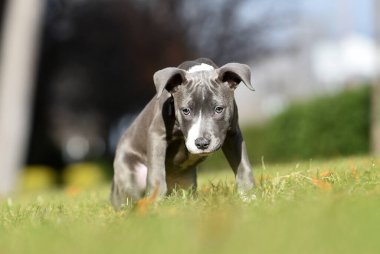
141 172
193 134
201 67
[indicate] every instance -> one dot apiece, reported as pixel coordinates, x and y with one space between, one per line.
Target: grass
310 207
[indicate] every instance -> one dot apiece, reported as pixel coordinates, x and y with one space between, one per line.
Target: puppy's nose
202 143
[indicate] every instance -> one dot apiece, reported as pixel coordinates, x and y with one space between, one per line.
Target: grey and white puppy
193 114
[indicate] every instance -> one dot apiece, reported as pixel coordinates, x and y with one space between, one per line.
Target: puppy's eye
219 109
186 111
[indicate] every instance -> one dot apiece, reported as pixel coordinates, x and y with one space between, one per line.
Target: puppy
193 114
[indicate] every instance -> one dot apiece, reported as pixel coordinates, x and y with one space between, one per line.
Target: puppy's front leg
236 153
156 178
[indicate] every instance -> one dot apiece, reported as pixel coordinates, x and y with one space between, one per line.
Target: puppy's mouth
204 152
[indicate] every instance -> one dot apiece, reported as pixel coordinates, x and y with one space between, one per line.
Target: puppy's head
204 101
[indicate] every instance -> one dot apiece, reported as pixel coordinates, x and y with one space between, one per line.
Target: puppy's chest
178 158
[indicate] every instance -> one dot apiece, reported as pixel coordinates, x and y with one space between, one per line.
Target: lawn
308 207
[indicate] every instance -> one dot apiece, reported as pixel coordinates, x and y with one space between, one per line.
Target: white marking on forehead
193 134
201 67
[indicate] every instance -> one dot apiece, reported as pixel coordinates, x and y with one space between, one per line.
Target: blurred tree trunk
375 107
375 124
19 46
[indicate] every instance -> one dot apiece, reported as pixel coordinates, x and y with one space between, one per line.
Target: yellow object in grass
83 175
37 178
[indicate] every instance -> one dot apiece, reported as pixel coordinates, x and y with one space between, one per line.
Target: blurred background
74 74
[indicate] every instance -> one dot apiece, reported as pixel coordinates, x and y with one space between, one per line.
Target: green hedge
331 126
325 127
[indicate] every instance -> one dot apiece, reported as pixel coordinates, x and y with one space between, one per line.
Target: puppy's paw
247 197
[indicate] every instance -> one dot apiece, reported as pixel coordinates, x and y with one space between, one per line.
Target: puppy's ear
234 73
168 78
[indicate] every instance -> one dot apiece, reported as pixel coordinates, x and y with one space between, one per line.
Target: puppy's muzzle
202 143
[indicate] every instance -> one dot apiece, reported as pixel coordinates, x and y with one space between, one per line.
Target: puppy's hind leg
117 197
129 182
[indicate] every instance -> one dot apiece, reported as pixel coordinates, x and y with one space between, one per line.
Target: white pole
18 60
375 105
